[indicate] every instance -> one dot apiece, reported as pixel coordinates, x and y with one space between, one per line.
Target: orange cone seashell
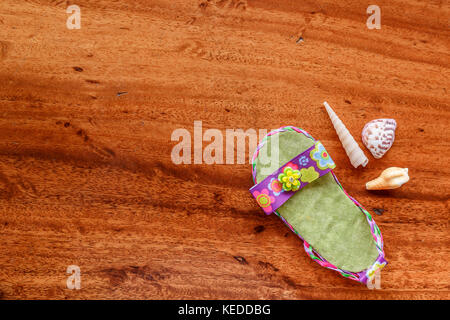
390 178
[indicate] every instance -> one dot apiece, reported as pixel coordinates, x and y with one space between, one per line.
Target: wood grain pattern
86 176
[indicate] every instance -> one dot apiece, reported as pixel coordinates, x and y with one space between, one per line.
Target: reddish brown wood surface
86 176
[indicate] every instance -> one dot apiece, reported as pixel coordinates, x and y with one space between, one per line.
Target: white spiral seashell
354 152
390 178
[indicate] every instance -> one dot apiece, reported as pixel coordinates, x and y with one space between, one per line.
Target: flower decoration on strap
265 200
289 178
275 186
321 156
309 174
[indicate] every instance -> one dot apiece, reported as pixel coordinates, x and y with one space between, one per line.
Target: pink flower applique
275 186
264 200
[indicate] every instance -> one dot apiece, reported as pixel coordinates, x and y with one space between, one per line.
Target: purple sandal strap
272 192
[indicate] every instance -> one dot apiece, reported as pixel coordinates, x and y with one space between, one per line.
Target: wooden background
86 176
